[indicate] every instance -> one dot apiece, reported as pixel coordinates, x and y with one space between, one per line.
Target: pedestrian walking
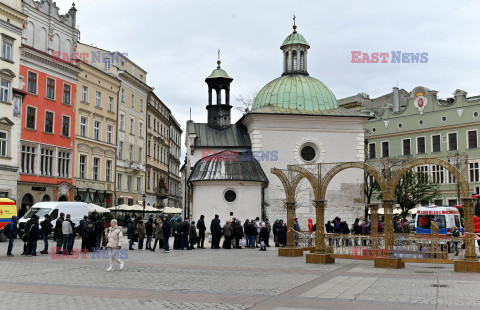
114 244
46 229
11 233
141 234
166 233
201 232
149 233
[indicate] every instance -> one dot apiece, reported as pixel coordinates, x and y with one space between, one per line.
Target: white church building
294 119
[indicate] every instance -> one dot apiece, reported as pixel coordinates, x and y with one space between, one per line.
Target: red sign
108 200
429 212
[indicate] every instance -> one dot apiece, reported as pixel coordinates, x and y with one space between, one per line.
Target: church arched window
294 60
302 61
286 61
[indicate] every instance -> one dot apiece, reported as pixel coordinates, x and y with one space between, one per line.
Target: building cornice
46 59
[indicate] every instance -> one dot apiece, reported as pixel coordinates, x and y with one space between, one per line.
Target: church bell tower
219 110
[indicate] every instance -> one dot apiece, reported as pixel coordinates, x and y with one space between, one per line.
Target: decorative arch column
470 262
320 256
387 261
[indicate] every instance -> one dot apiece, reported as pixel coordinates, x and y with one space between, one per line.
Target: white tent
94 208
170 210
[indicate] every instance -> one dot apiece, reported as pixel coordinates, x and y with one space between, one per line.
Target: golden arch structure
320 175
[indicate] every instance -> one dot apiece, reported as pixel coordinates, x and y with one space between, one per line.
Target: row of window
32 87
158 180
130 185
49 124
98 99
45 161
97 130
131 152
122 96
158 127
436 144
96 166
132 125
159 152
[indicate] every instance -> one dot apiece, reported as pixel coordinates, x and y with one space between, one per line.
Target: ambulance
444 217
8 208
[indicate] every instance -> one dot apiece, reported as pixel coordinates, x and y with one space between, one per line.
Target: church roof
218 73
228 166
341 112
301 93
294 38
235 136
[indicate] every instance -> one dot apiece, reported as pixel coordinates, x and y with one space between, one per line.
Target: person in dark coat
99 232
34 234
177 234
276 228
216 231
252 232
11 233
92 225
227 233
166 233
184 232
84 233
329 227
58 234
192 235
247 232
201 232
263 237
130 233
282 236
269 229
46 229
158 234
149 233
238 233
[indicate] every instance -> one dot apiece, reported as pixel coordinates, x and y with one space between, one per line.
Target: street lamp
144 197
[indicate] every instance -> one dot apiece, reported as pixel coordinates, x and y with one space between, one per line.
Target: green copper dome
296 93
219 73
295 38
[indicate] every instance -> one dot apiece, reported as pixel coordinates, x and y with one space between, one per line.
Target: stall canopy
170 210
94 208
134 208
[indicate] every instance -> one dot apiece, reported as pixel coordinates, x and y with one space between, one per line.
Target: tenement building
11 94
174 179
132 105
157 152
295 119
48 119
95 135
418 124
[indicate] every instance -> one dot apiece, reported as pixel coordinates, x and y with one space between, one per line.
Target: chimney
396 100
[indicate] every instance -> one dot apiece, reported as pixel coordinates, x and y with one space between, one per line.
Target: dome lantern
295 53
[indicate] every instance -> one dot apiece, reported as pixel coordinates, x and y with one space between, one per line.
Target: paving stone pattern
227 279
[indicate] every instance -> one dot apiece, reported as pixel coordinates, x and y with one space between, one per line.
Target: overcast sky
177 42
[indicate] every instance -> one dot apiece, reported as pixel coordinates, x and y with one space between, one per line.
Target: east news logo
396 57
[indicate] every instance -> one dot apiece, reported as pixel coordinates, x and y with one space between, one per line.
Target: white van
444 217
77 211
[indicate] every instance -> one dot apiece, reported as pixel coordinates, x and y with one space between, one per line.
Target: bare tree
245 103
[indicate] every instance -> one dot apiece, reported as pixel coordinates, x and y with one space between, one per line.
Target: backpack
26 235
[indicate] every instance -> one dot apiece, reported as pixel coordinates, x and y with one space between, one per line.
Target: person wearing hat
46 226
58 233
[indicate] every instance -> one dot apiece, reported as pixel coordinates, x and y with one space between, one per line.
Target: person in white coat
114 244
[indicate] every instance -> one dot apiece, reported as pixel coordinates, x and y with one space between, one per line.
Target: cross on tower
218 54
294 19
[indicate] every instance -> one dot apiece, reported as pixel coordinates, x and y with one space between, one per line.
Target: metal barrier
408 247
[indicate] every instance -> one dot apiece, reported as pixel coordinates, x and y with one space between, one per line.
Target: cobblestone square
227 279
